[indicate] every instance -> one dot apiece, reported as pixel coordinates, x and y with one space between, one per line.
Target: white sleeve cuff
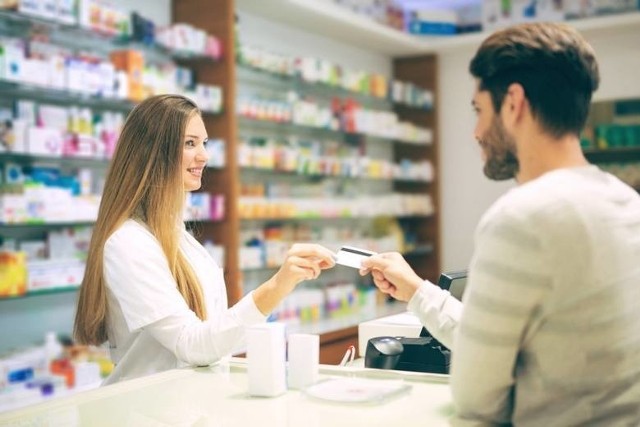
437 310
247 311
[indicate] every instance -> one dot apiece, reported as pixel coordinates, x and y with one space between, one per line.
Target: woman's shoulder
130 234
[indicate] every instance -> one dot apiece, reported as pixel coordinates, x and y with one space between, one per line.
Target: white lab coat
149 325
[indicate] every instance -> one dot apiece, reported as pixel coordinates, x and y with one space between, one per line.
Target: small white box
304 360
12 62
266 365
13 208
45 141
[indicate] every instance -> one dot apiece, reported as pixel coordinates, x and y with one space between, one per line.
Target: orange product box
130 61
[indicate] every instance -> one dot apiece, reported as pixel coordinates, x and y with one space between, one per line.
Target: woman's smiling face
194 155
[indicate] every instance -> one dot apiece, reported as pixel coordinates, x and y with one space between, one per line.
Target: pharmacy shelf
589 27
626 154
326 18
61 97
317 176
23 158
335 218
74 35
61 224
34 92
51 291
288 128
248 75
44 224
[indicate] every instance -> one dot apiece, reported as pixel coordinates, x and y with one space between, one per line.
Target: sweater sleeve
438 311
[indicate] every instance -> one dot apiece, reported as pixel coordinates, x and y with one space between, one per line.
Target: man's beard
500 149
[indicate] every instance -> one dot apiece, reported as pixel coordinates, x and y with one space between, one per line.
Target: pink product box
217 207
80 145
49 274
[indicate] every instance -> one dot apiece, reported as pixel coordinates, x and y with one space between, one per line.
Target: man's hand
392 275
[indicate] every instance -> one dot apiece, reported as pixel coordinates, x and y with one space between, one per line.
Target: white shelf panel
330 20
325 18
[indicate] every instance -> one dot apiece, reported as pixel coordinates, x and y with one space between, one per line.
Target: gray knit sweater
550 330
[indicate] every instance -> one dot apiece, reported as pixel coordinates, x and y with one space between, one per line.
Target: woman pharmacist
150 288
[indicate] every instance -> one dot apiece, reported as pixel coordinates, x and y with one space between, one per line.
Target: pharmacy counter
217 395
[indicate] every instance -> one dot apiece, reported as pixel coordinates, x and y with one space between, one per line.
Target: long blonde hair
144 181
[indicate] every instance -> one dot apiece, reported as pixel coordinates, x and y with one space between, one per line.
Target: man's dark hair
552 62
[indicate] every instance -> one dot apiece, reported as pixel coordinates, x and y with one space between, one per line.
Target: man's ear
515 105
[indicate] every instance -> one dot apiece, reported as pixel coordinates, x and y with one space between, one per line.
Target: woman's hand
304 261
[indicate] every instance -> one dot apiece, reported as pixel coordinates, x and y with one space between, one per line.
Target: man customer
548 331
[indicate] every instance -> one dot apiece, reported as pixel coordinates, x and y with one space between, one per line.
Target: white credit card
352 257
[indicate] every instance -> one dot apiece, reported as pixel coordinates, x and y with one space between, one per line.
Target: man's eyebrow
473 102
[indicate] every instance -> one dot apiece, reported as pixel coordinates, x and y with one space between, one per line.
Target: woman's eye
190 143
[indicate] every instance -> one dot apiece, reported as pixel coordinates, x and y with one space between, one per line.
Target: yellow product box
13 273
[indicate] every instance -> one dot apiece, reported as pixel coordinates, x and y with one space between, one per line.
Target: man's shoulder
553 191
552 198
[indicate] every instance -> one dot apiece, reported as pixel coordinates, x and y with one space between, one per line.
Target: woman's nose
202 154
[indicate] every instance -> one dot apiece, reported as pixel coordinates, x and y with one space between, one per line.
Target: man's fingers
378 261
377 274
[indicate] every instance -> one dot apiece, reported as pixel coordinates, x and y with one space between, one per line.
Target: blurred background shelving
276 179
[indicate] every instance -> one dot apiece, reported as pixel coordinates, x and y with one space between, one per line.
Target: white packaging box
304 360
75 75
65 11
11 66
45 141
42 8
58 204
17 139
35 72
56 72
251 257
266 361
53 116
49 274
13 208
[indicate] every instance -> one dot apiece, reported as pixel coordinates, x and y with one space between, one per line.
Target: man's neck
543 153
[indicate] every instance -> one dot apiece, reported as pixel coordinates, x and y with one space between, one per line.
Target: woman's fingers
324 256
